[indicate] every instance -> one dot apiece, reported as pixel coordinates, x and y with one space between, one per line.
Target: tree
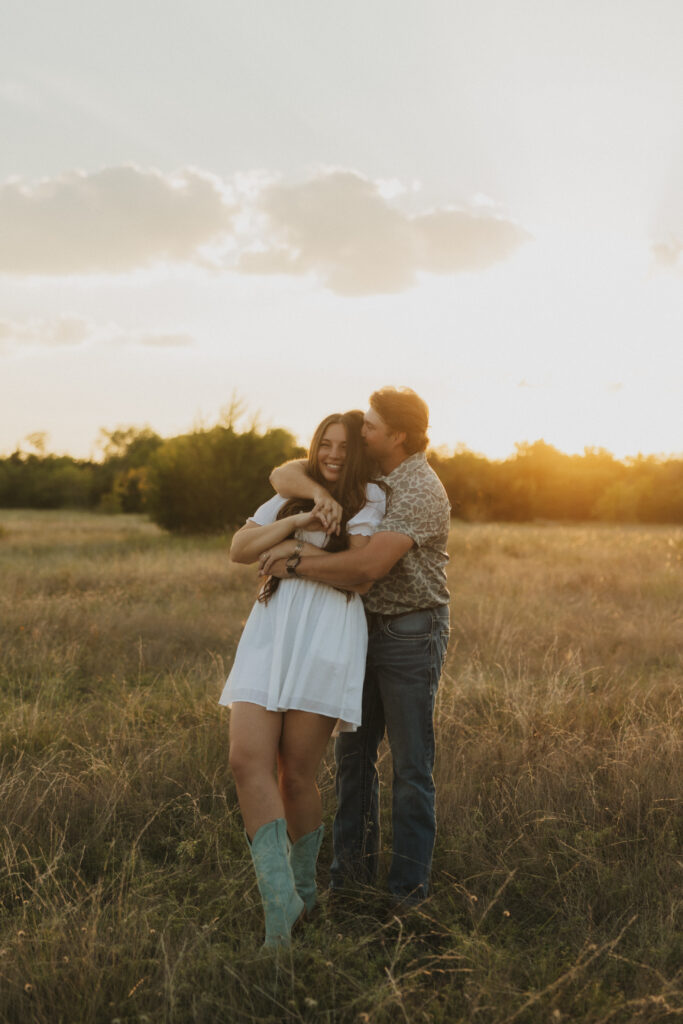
211 480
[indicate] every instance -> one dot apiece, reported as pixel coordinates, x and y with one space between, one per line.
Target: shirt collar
404 468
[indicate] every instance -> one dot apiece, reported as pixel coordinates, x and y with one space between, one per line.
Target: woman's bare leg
302 745
254 737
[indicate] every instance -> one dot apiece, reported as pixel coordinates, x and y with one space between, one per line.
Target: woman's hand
312 520
328 510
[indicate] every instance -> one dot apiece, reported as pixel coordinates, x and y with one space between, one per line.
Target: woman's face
332 452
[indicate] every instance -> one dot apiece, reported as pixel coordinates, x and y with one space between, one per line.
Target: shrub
211 480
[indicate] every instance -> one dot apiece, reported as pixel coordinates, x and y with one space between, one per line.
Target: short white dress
305 649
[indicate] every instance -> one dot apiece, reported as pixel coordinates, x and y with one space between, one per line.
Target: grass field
126 890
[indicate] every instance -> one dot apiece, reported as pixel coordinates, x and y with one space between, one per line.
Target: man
407 612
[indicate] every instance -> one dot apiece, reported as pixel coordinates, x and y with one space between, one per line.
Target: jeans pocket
411 626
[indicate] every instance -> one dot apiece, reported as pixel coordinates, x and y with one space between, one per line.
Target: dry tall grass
126 889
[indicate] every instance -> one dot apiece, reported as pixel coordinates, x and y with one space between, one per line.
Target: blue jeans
405 655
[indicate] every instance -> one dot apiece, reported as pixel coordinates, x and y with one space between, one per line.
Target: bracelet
299 548
291 564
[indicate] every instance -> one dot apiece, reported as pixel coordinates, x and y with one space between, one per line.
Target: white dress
305 649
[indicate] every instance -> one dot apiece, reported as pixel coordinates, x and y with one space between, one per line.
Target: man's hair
404 412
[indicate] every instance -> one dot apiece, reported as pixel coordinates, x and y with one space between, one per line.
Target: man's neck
391 462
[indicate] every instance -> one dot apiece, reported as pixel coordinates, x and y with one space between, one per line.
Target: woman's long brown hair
349 490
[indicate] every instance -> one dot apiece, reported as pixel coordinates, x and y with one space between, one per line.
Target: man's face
377 436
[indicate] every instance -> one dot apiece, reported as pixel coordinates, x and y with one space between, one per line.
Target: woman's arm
251 540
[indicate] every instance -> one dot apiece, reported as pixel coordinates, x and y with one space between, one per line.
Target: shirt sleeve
370 516
415 519
267 513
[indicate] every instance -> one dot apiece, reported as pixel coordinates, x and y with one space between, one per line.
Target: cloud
63 331
339 227
112 221
354 234
66 331
665 254
342 227
452 241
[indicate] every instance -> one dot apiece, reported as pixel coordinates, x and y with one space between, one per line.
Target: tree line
210 480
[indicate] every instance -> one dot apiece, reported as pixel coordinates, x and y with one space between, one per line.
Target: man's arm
291 480
252 539
353 568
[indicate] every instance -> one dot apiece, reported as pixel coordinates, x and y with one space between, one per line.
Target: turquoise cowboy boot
281 904
303 857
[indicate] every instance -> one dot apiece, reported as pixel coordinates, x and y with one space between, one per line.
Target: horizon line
442 450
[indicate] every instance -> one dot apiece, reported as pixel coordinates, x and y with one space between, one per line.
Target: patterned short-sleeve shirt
417 506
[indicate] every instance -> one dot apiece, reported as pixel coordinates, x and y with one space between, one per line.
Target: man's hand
354 569
276 567
283 550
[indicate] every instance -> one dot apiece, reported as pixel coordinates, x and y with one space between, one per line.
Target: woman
298 670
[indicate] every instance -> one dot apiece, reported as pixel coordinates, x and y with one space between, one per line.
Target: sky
286 204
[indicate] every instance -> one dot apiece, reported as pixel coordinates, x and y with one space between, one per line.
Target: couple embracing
347 638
